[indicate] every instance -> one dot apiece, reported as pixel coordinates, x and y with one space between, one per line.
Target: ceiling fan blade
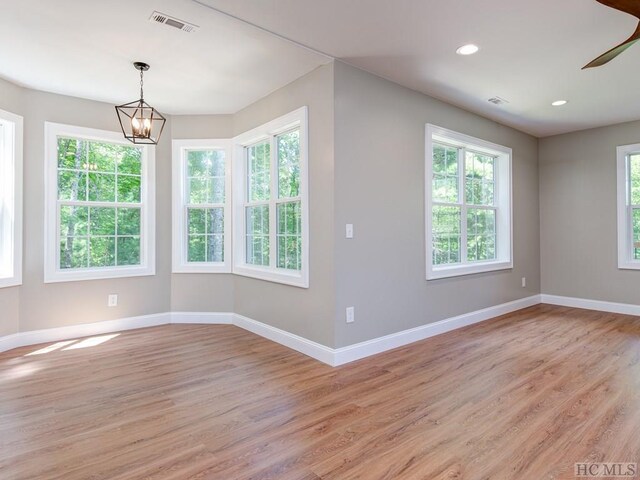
632 7
615 51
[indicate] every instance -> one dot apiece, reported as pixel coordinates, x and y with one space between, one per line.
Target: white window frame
625 209
502 193
52 271
269 131
11 158
180 205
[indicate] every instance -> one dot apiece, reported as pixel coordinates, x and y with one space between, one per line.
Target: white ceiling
531 53
86 48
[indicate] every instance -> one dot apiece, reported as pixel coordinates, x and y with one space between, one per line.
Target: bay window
271 201
99 192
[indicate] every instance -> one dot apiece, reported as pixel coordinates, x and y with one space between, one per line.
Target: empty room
319 240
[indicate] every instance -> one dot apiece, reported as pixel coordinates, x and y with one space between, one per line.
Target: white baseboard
34 337
388 342
624 308
330 356
313 349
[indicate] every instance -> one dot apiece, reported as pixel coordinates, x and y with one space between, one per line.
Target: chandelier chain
141 85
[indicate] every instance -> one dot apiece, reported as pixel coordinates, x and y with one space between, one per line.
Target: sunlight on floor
20 371
50 348
74 344
91 342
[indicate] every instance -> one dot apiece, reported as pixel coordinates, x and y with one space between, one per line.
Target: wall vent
164 19
498 100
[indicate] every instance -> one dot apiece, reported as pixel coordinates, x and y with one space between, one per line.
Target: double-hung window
271 201
628 206
468 204
99 192
10 199
201 206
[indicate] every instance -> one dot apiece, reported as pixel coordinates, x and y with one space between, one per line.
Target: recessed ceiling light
559 103
468 49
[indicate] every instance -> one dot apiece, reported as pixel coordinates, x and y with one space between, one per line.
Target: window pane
481 234
198 191
289 236
196 221
634 161
215 220
102 221
102 251
196 250
206 173
258 172
636 233
198 163
215 248
257 231
445 174
128 251
74 252
102 187
288 164
104 156
72 185
72 153
446 235
129 160
215 190
479 178
74 221
129 188
128 221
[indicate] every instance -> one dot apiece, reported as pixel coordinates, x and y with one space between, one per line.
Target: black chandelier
140 122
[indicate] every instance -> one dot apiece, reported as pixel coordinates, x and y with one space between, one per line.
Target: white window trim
625 230
297 118
180 230
11 198
52 271
503 192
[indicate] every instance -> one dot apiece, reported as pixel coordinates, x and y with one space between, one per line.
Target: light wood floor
520 397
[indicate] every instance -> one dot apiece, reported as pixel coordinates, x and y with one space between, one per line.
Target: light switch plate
349 230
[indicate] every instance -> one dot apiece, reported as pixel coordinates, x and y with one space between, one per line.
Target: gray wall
197 292
379 187
43 305
305 312
578 227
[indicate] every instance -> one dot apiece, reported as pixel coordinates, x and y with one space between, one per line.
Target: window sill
8 282
461 270
103 274
629 265
294 279
201 268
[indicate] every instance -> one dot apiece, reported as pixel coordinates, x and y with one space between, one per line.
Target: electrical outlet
112 300
524 282
351 314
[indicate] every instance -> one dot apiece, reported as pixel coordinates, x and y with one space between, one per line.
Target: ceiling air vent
165 19
498 100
